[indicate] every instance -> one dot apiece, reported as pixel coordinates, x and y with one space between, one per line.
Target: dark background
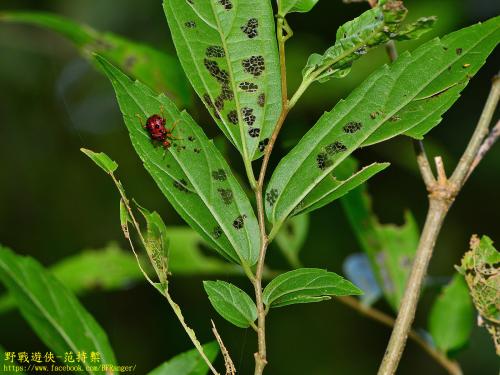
54 203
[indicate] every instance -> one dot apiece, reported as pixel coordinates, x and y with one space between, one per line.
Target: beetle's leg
176 122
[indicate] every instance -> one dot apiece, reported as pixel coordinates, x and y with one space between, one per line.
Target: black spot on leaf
226 195
352 127
190 24
263 144
232 116
459 51
227 4
217 232
261 100
248 86
219 74
335 148
239 222
219 103
323 161
208 100
219 175
248 115
272 196
251 28
254 132
254 65
215 51
226 92
181 185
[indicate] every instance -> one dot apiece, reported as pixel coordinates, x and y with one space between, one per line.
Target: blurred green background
54 202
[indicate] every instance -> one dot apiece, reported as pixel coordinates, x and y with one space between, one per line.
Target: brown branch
441 196
423 164
485 147
261 355
449 365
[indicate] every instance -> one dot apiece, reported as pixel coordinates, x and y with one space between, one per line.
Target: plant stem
177 310
261 356
441 196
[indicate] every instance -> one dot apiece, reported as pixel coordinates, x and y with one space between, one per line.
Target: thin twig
464 165
423 163
175 307
261 355
228 362
441 197
451 366
485 147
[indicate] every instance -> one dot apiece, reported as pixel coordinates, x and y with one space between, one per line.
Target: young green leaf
188 363
290 6
355 38
408 97
390 248
157 69
415 29
101 159
53 312
481 268
306 285
191 173
156 242
232 303
292 236
452 316
229 52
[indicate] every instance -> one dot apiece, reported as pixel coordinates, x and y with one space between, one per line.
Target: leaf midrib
233 83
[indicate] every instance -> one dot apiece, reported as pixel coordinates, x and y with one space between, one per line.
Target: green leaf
416 29
229 52
102 160
156 243
232 303
481 268
292 236
333 187
290 6
390 248
192 174
452 316
408 97
306 285
188 363
353 39
106 269
157 69
112 268
53 312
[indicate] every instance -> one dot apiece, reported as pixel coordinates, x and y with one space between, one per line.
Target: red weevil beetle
155 125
